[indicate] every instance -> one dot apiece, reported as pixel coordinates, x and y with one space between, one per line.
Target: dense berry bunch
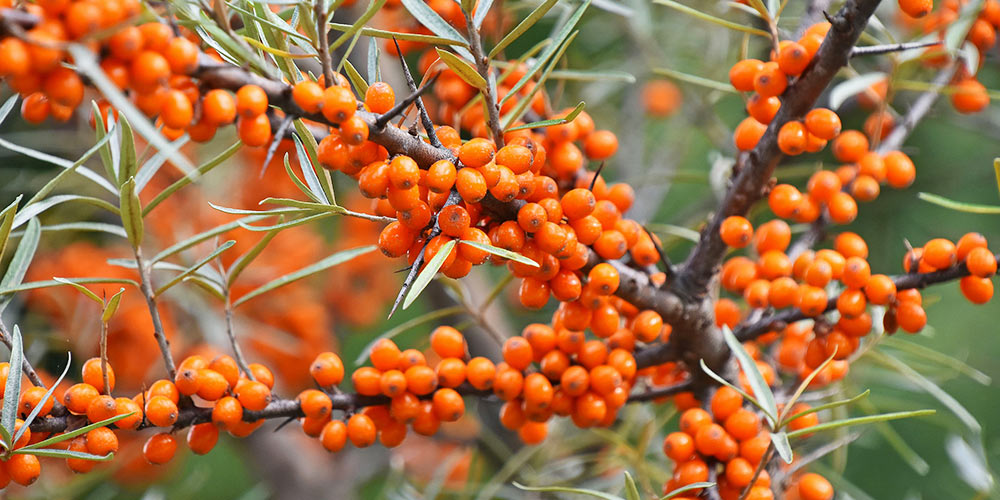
525 199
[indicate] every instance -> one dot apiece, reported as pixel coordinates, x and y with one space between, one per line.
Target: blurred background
675 148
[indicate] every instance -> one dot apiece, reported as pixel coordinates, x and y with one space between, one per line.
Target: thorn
279 135
425 119
893 47
597 173
667 265
396 110
286 422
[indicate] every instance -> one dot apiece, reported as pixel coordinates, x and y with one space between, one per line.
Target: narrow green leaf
57 453
131 212
208 285
30 211
333 260
153 165
423 13
685 489
463 69
958 205
49 186
81 226
931 388
129 162
308 163
481 10
847 422
244 260
853 86
7 223
549 51
592 75
357 27
694 79
374 74
80 288
631 491
269 213
468 5
780 442
12 391
188 179
55 160
273 51
112 307
712 19
563 489
937 357
101 134
522 105
285 225
958 30
7 106
45 397
35 285
298 182
58 438
425 276
548 123
197 265
19 263
360 85
304 205
829 406
523 26
507 254
202 236
760 388
801 388
400 35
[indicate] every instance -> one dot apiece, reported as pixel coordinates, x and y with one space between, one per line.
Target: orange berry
308 95
814 486
380 97
743 73
849 146
251 101
916 8
201 438
159 448
981 262
736 231
748 134
327 369
823 123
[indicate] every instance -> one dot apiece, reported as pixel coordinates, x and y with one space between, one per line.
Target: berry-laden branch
914 280
754 169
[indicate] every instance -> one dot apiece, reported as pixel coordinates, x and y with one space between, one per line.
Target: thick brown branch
756 167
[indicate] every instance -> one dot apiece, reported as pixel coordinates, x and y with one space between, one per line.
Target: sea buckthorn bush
445 230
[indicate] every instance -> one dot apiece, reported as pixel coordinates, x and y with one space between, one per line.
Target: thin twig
25 364
486 71
145 285
241 361
425 118
319 8
756 473
104 357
